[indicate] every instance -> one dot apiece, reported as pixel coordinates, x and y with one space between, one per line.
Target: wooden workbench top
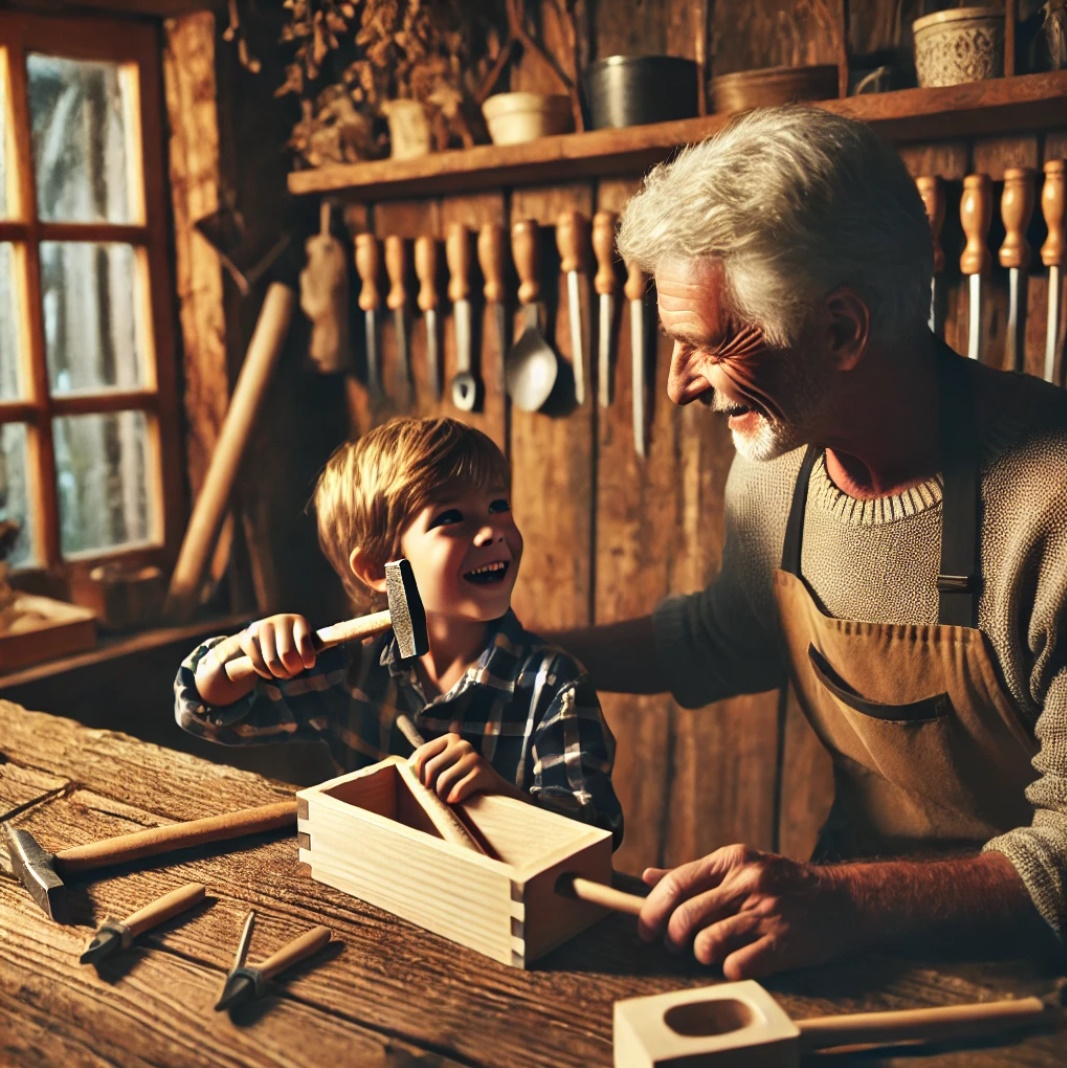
385 993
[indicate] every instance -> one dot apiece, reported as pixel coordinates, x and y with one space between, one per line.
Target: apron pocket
929 708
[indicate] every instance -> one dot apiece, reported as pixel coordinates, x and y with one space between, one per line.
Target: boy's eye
501 504
450 515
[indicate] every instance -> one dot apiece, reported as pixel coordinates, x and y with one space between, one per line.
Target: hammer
405 615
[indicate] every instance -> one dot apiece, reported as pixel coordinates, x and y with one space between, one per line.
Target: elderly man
896 545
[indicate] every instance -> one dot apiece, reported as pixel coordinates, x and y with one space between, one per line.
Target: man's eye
502 504
450 515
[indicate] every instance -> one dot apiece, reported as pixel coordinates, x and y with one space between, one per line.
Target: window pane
102 481
91 298
9 327
15 490
81 153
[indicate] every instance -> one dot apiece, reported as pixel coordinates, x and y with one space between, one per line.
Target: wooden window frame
136 46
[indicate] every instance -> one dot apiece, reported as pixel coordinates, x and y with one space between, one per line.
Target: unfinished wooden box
365 834
39 628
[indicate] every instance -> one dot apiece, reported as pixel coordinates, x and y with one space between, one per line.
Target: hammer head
405 609
35 869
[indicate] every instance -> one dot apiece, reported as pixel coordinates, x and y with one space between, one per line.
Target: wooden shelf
1001 106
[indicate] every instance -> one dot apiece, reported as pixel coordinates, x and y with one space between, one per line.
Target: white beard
770 441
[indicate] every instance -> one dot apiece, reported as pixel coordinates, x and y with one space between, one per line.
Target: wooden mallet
405 615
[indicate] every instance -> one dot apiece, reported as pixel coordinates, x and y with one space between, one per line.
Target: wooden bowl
964 44
513 118
747 89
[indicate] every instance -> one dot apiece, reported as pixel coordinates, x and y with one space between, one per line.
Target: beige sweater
878 561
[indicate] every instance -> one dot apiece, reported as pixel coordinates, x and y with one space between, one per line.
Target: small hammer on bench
405 615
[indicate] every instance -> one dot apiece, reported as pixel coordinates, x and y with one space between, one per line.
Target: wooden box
40 628
365 834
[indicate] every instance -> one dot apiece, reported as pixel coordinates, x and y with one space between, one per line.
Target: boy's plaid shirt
528 707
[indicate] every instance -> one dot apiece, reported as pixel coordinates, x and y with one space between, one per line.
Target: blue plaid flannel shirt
528 707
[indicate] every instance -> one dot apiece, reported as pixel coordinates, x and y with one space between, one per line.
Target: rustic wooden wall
608 535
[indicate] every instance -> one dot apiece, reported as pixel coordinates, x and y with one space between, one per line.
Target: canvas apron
929 752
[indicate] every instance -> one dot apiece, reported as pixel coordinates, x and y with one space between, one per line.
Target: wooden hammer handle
448 824
164 908
153 840
950 1021
241 668
309 942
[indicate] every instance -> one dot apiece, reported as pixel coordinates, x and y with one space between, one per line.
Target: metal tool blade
574 305
403 366
637 347
974 334
433 355
932 321
1053 336
374 381
240 987
246 937
1014 343
464 386
607 314
500 316
105 942
33 867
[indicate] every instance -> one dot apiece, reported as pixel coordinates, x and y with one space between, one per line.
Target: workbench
383 992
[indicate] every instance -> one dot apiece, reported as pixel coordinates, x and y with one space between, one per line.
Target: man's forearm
942 901
620 657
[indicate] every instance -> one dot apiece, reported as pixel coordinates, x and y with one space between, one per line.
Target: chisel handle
368 267
440 814
604 249
491 261
976 214
458 254
164 908
1016 208
636 282
932 192
910 1025
426 272
600 894
1052 251
154 840
572 236
350 630
396 268
309 942
524 252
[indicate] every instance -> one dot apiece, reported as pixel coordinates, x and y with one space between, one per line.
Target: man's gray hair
794 201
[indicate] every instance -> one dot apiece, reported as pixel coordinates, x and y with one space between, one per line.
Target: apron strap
957 581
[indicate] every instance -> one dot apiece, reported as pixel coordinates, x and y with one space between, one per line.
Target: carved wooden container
961 45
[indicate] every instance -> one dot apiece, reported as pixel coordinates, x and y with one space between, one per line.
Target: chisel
571 240
1016 207
368 266
976 214
933 196
634 291
604 283
458 254
396 267
491 262
426 272
114 935
1052 255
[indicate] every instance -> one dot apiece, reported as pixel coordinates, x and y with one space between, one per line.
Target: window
89 458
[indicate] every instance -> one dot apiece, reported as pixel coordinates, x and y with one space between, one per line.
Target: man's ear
849 326
368 571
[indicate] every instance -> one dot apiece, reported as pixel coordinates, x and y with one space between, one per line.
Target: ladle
532 365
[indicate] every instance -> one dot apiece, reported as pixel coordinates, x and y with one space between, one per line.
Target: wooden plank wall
608 535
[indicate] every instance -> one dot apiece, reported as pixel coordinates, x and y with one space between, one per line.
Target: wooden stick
164 908
309 942
600 894
448 824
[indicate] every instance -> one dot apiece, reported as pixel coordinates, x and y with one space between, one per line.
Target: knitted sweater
877 560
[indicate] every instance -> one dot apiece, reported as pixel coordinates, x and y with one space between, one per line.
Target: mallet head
406 613
35 869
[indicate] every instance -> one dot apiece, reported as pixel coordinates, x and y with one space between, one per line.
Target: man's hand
754 913
450 766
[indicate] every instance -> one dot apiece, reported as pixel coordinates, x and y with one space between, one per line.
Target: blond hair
370 489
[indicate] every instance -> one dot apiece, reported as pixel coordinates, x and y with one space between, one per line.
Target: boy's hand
450 766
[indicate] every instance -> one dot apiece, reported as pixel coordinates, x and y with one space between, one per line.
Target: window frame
136 47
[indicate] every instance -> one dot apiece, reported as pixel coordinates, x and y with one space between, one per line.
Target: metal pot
634 90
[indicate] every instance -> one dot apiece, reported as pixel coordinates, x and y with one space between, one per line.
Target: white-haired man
896 545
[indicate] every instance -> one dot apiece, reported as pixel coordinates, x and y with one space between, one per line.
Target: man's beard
804 391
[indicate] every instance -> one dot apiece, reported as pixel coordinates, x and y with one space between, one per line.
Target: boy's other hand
279 646
451 768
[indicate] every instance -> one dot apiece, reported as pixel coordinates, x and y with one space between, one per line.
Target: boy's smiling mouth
489 574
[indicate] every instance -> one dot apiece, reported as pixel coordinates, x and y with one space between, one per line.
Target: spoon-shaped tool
458 254
532 365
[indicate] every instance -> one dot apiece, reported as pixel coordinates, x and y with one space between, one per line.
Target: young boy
502 711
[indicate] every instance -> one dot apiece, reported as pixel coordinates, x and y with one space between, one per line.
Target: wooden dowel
448 824
600 894
310 942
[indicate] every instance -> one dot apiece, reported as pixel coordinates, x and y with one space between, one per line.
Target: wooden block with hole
365 834
733 1025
